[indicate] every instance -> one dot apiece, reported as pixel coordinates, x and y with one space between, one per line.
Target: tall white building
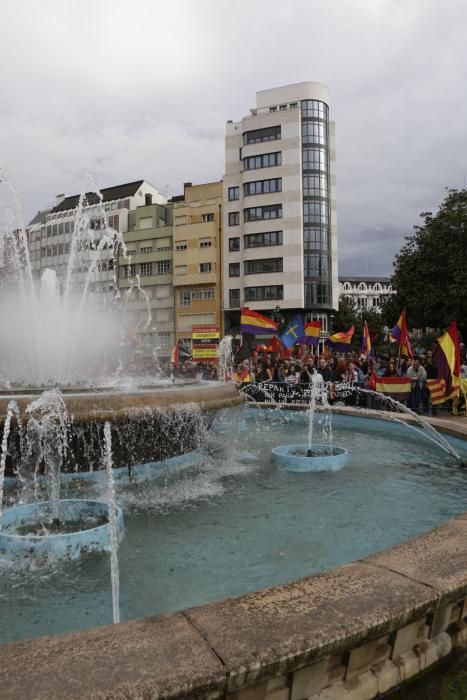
280 227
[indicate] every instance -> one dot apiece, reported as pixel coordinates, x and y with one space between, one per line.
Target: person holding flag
367 351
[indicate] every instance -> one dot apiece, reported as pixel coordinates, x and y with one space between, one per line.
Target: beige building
280 228
145 279
197 250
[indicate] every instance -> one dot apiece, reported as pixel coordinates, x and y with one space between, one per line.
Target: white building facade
50 233
366 293
280 226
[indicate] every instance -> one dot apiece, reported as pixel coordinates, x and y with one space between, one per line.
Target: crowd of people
347 367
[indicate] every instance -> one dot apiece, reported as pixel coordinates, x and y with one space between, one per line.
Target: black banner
349 394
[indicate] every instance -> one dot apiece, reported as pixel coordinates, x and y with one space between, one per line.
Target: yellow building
197 250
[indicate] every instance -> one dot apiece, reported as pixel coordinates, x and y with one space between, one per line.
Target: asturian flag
293 333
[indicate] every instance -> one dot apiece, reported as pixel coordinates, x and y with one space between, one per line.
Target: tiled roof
108 194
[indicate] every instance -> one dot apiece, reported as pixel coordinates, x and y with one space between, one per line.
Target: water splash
11 411
114 571
225 354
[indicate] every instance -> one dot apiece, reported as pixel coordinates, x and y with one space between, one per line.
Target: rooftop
108 194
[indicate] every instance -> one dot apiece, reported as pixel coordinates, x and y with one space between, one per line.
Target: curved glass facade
316 203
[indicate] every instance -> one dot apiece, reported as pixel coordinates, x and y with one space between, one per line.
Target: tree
430 272
348 316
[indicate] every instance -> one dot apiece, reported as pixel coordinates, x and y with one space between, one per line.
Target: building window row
162 267
315 237
271 211
266 293
262 186
316 265
314 109
317 293
189 295
314 132
271 133
267 160
57 249
315 159
315 212
257 240
315 186
253 267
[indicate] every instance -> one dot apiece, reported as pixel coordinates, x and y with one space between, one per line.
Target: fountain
313 457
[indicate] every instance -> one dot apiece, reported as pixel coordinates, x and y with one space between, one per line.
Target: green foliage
430 272
455 687
347 316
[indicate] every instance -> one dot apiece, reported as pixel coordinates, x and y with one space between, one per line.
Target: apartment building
51 233
197 250
365 292
280 227
145 279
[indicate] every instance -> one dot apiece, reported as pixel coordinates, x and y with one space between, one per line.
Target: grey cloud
142 89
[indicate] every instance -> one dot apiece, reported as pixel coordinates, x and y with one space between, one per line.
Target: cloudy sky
129 89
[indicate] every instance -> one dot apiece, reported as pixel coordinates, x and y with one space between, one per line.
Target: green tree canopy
430 272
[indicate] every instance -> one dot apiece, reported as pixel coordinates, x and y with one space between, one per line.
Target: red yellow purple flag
340 341
400 335
446 357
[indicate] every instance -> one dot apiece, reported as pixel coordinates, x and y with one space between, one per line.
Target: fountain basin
84 528
294 458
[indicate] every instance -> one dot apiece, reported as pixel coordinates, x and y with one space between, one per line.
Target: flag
256 324
276 346
396 387
446 357
366 343
293 333
400 335
437 389
312 331
246 350
340 341
174 357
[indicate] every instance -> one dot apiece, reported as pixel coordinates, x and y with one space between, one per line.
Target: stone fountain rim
246 641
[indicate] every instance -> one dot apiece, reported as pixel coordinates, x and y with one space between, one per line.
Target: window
185 297
253 267
145 222
316 265
205 267
189 295
234 298
207 217
273 109
60 249
67 248
263 186
234 269
205 243
129 270
234 218
145 250
313 109
163 340
181 245
267 160
110 263
314 132
180 269
112 222
315 212
164 243
145 269
273 291
315 186
314 159
234 193
271 133
256 240
315 237
234 245
273 211
282 107
317 293
163 267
